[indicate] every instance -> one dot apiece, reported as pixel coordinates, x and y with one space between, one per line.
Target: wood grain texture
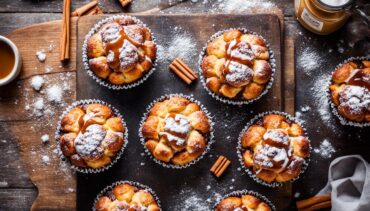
289 77
16 199
55 182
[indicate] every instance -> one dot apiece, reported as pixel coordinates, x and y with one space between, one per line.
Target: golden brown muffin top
92 135
176 131
127 197
350 90
274 148
121 51
236 65
243 203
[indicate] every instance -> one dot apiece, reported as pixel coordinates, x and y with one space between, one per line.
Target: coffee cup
9 54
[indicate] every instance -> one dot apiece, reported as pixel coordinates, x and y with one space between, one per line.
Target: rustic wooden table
17 192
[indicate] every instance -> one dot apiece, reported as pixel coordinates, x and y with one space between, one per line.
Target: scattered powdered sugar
230 6
45 138
70 190
55 94
309 60
48 68
3 184
297 194
38 107
37 82
325 149
181 45
40 55
190 199
321 100
45 159
305 108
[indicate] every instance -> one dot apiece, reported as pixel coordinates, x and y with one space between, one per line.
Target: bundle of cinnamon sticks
315 203
220 166
183 71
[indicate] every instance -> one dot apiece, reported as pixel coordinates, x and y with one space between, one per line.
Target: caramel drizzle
114 46
359 78
229 57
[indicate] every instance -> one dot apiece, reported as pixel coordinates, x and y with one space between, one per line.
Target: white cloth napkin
349 184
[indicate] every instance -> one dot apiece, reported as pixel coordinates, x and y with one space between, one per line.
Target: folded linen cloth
349 184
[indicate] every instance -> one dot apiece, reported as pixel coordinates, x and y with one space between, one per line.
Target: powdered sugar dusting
55 93
325 149
37 82
88 142
190 199
182 45
309 61
230 6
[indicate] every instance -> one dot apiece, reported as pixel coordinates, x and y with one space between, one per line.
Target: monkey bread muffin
127 196
236 65
350 91
121 51
176 131
91 136
274 148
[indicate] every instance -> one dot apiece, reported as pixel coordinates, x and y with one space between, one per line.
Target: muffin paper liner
240 149
136 184
210 137
223 99
59 133
239 193
334 108
102 81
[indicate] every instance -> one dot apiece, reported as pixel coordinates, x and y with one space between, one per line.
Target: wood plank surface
134 101
54 180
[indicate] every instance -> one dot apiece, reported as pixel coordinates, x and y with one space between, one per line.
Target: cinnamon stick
217 163
318 206
183 65
313 200
179 73
85 8
68 20
65 33
223 168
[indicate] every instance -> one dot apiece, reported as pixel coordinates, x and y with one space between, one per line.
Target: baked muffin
236 65
91 135
242 202
121 51
274 148
350 90
127 196
176 131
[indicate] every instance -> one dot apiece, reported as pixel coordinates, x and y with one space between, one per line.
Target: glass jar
322 16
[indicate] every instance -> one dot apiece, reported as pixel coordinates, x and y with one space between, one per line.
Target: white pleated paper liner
223 99
334 108
101 81
210 136
136 184
239 193
59 133
240 149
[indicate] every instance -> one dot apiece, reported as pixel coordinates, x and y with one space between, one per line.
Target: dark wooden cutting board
173 187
